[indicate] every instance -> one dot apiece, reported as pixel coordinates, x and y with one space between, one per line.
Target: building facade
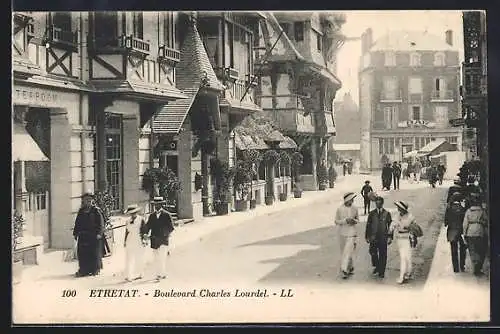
409 91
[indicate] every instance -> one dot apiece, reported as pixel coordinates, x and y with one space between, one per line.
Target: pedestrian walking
453 220
387 176
160 225
441 169
406 241
347 218
405 171
365 192
475 228
134 243
396 172
344 167
377 236
89 233
417 169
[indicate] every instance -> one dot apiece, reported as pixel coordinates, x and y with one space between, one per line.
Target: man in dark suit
396 172
160 224
377 235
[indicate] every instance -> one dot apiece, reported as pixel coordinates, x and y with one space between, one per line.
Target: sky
434 21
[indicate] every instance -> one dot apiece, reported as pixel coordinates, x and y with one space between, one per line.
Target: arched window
414 59
439 59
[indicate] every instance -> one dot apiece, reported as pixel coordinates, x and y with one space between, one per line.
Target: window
390 88
440 84
62 20
416 114
441 115
390 117
209 31
169 32
231 44
452 140
138 25
415 85
114 158
439 59
386 145
390 59
415 59
421 142
40 201
318 41
298 30
105 28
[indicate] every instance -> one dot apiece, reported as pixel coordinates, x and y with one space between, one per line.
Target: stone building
409 90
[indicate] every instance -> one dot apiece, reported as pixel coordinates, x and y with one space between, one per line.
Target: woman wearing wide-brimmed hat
401 231
347 218
133 243
161 226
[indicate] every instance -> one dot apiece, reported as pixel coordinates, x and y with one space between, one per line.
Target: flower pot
283 197
241 205
17 271
269 200
297 193
253 203
221 208
322 186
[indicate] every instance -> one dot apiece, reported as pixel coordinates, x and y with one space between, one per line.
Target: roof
274 28
139 87
171 116
402 40
435 144
24 147
194 63
346 147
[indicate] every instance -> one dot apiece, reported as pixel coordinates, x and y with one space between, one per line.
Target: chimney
449 37
366 40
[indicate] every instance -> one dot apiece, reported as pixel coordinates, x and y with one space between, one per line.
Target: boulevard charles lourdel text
195 293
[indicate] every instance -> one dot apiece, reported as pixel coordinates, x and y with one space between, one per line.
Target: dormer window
138 24
390 59
415 59
298 30
439 59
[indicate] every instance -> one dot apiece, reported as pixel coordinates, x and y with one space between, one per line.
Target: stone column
131 186
61 220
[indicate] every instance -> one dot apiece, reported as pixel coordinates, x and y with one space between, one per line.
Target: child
365 192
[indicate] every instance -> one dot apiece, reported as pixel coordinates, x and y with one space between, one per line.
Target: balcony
227 73
251 80
64 39
390 97
442 96
288 112
474 84
119 44
168 54
415 97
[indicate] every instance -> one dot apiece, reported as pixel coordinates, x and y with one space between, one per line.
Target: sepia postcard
249 167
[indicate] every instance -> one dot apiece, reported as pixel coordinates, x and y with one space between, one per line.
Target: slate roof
135 86
402 40
194 63
170 117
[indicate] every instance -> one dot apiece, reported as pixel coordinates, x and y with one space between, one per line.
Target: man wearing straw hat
346 218
377 235
160 224
134 246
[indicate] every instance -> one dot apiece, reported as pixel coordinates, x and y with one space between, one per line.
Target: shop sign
39 97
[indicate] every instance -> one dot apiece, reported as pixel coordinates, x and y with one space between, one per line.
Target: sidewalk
456 296
52 262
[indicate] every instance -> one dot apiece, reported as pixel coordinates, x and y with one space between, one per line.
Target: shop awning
170 118
132 87
24 147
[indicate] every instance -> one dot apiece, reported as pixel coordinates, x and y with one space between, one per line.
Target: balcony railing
415 97
227 73
251 80
390 96
63 38
238 89
169 54
121 43
442 95
288 112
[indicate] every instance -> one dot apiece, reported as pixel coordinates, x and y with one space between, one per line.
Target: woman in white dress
400 230
133 243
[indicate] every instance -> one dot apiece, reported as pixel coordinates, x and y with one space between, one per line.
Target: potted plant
297 160
18 223
241 176
222 174
322 177
254 158
105 202
162 182
270 158
284 165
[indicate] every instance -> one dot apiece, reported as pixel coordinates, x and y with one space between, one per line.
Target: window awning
132 87
24 147
170 118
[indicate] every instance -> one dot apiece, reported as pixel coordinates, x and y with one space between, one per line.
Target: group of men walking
139 231
391 173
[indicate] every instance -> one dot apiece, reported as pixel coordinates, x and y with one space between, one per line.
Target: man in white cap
161 226
346 218
133 243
